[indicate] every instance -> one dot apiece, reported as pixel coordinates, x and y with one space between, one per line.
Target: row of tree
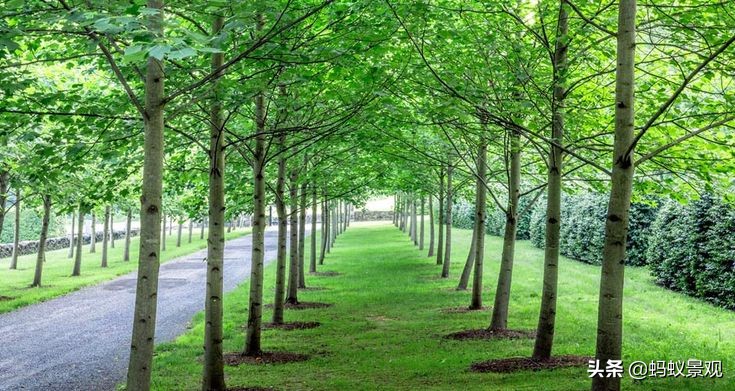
339 100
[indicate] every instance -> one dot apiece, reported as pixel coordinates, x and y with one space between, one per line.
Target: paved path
81 341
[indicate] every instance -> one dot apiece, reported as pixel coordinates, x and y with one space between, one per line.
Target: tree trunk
399 211
280 201
178 234
448 222
105 236
4 195
128 223
302 236
610 310
343 212
547 314
464 279
71 235
77 271
409 216
16 232
431 226
440 242
325 232
293 268
213 377
414 221
41 255
421 225
499 320
112 232
312 255
144 319
395 209
191 228
201 230
255 307
334 212
112 228
163 233
480 214
170 225
93 236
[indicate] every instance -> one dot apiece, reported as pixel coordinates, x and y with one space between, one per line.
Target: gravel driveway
81 341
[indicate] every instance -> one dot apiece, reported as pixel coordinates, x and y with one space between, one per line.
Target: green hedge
583 228
463 216
30 225
692 250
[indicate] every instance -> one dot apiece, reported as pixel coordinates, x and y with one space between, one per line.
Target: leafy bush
30 225
463 216
692 250
582 232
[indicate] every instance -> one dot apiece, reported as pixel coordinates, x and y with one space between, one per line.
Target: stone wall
371 215
31 246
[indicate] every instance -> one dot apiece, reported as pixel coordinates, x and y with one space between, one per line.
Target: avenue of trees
208 111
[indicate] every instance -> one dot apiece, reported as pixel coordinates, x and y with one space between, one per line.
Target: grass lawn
386 326
15 290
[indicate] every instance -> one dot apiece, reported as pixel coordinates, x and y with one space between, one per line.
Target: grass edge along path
57 280
387 326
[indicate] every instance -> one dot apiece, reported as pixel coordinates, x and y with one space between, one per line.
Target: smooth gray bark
105 236
464 279
293 268
440 218
93 238
213 377
610 311
78 256
421 224
547 314
448 222
16 232
499 319
144 319
302 235
128 224
312 254
280 201
41 254
480 216
71 235
431 226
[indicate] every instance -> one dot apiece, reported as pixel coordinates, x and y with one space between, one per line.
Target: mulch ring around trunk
487 334
302 305
288 326
515 364
234 359
326 274
462 310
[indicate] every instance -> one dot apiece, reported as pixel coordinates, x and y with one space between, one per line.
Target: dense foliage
692 249
30 226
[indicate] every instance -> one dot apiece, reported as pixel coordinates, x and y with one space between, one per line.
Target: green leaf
182 53
159 51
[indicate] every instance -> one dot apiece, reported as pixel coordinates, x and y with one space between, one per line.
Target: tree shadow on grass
516 364
235 359
289 326
488 334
